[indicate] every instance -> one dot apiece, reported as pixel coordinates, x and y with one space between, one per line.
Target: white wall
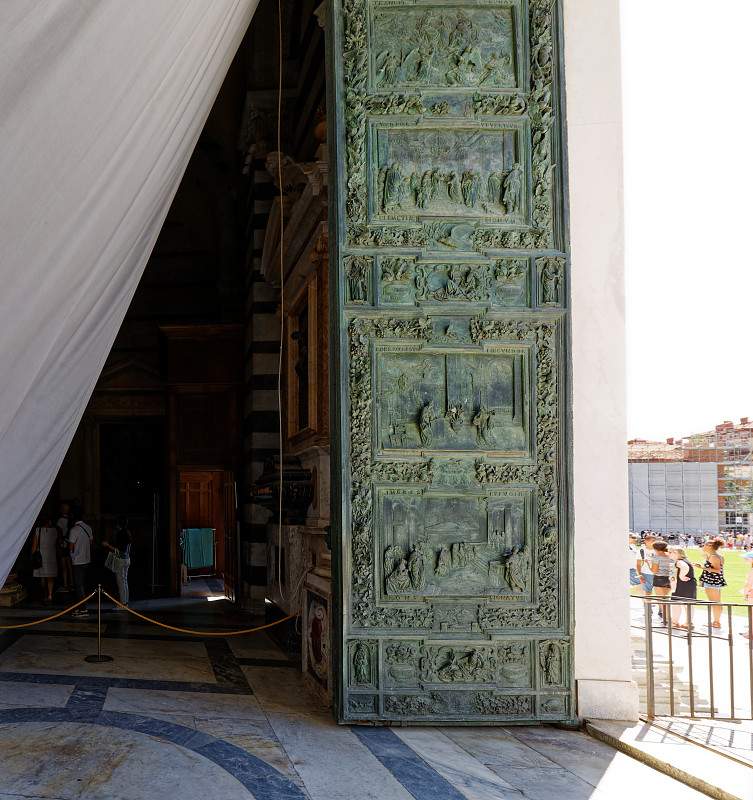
600 484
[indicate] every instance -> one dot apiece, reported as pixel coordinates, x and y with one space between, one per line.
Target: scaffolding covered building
702 483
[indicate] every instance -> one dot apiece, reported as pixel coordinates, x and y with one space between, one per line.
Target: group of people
663 570
63 550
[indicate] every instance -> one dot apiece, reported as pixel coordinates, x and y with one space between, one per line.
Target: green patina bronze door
450 361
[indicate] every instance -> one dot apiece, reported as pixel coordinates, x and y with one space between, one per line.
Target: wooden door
201 504
449 275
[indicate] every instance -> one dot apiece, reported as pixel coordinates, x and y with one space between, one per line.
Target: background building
702 483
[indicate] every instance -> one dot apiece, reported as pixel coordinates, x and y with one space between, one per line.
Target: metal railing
698 670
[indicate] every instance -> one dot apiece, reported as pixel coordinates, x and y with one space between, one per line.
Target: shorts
648 586
704 585
661 582
635 578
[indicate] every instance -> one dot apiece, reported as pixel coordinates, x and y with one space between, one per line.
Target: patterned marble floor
173 717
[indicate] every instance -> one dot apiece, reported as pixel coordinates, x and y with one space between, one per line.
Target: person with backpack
80 537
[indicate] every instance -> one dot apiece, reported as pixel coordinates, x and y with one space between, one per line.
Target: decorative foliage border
543 474
359 104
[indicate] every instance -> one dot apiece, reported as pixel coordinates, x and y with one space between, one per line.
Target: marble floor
176 717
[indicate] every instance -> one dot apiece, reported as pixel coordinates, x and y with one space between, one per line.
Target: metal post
710 634
690 658
650 699
668 616
731 664
99 658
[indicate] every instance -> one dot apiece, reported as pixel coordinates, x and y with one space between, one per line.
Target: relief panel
407 281
455 401
434 544
423 172
438 46
415 665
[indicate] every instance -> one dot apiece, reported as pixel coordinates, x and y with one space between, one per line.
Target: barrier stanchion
190 631
99 658
47 619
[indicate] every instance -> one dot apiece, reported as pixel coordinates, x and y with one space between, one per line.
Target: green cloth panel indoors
198 547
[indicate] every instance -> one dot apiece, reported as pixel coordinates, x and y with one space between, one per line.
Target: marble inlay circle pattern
83 761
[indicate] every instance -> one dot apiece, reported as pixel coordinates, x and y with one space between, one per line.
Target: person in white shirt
645 551
634 561
80 538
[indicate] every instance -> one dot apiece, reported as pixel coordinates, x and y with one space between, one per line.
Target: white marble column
594 130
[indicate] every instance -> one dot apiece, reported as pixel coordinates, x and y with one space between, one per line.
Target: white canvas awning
101 105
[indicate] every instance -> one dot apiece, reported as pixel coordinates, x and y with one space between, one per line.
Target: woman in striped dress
712 578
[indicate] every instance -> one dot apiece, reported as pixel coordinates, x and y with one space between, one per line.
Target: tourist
647 576
45 543
64 555
684 588
634 561
122 553
80 539
712 577
747 592
662 567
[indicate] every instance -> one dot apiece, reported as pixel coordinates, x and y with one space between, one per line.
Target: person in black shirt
122 552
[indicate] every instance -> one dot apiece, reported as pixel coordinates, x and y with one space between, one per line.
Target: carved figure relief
452 283
551 270
362 670
551 655
456 546
358 271
452 46
398 580
481 176
404 281
471 401
413 666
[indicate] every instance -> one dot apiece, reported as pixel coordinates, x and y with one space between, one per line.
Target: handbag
113 562
36 555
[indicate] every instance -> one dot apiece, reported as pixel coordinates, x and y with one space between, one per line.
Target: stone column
594 130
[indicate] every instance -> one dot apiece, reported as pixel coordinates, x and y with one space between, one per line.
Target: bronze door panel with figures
450 358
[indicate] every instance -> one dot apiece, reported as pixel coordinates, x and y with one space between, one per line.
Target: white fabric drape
101 104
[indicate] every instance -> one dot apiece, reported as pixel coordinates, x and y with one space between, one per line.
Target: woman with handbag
44 556
119 558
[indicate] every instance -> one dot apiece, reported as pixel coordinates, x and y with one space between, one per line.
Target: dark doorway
133 486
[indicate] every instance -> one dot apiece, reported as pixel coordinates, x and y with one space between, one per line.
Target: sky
688 123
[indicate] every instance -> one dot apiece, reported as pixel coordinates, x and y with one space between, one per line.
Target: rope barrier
48 619
192 632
